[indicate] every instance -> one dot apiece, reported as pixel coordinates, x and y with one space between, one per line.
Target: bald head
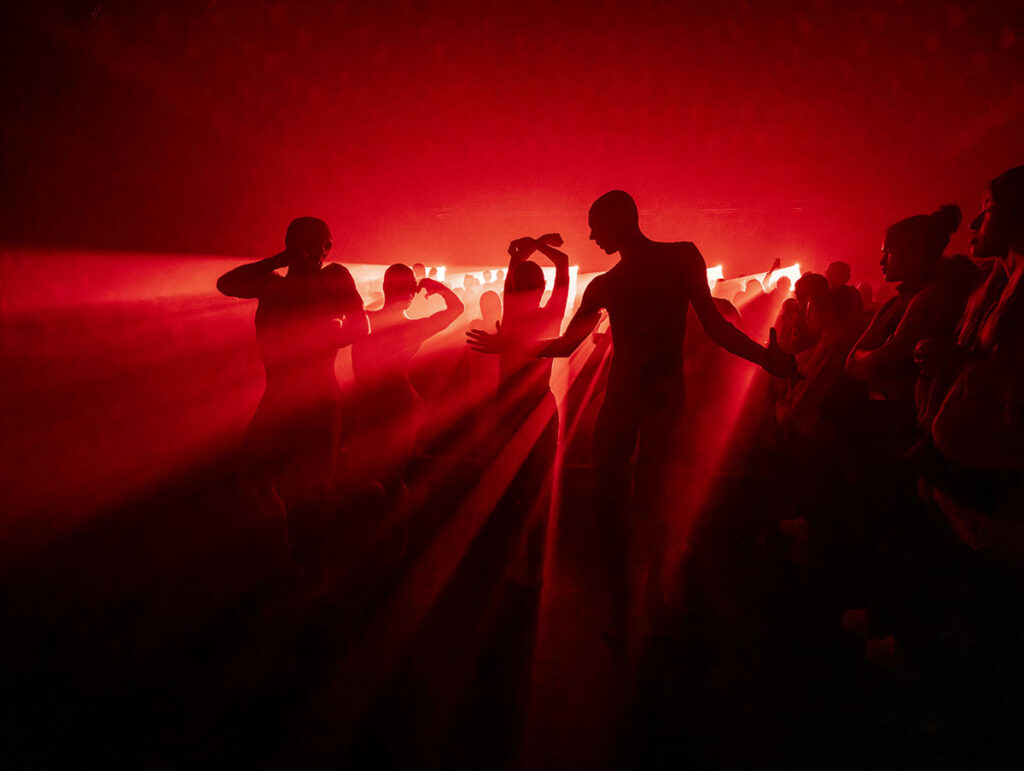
614 220
308 239
307 233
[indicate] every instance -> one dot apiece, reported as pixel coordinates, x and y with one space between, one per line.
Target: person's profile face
604 233
890 264
990 238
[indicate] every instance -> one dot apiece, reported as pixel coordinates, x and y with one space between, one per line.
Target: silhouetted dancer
391 412
480 375
645 294
302 319
524 385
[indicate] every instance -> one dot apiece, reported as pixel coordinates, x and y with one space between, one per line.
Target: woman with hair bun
931 293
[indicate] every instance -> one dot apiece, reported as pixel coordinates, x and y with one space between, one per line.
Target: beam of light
770 279
715 274
362 672
395 624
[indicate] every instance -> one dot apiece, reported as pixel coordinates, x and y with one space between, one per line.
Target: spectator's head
833 309
914 246
808 286
999 228
309 241
400 286
838 274
784 285
418 270
753 288
488 276
432 273
490 307
790 310
614 221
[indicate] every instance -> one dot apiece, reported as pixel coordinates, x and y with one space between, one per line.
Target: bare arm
252 280
454 307
349 304
581 326
896 353
560 294
354 326
519 251
723 333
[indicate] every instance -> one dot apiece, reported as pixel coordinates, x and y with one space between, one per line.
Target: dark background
438 131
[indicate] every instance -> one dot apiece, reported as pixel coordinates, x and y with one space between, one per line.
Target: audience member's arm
251 280
897 353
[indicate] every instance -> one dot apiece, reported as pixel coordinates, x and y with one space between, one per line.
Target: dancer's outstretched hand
485 342
777 361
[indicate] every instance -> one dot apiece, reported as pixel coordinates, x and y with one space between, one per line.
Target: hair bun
947 217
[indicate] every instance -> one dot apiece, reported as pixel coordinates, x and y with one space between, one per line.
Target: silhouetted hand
285 258
551 239
940 358
430 286
521 249
486 342
776 361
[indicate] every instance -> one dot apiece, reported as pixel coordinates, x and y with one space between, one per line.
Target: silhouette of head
431 273
914 246
784 285
614 221
999 228
490 306
418 270
527 284
488 276
838 274
808 286
833 309
753 287
790 309
400 286
309 240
